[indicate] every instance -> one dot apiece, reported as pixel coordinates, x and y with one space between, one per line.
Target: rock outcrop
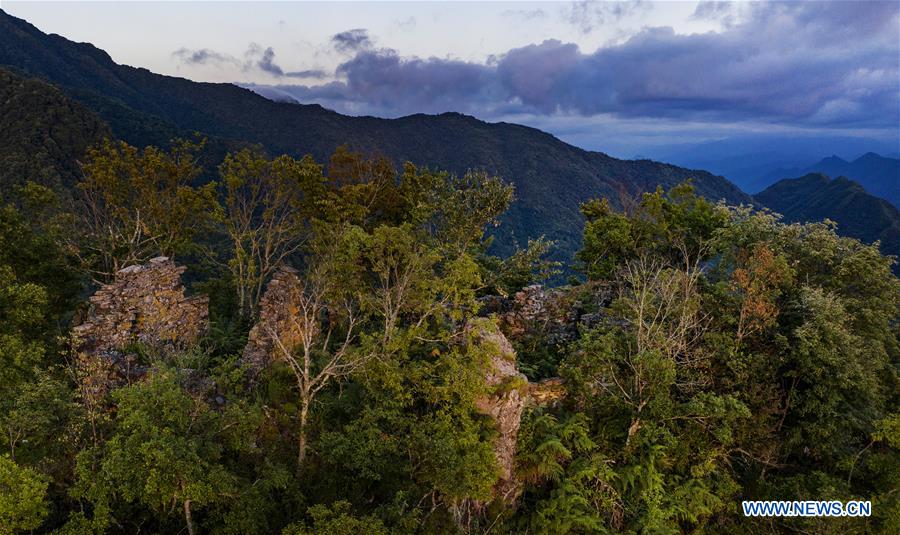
504 402
144 304
556 315
546 393
277 307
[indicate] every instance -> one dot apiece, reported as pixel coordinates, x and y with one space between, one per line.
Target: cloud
352 40
525 14
257 58
263 59
203 56
272 93
724 12
317 74
406 24
587 15
812 64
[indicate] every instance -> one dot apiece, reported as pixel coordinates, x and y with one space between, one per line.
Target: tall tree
324 324
266 216
135 204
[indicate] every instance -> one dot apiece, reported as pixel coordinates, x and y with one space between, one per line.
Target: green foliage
506 276
745 359
23 500
858 214
42 135
267 205
336 520
165 452
136 204
735 357
666 224
30 248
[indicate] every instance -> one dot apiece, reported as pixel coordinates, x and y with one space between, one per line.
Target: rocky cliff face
276 308
504 402
548 316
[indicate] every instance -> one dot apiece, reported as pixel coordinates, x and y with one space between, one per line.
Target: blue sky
624 77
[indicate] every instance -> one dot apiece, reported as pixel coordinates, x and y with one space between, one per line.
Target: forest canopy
704 354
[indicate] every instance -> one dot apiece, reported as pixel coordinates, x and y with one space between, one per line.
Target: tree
337 519
266 215
672 226
23 497
506 276
324 325
135 204
165 452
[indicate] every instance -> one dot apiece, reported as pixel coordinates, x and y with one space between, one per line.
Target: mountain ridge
858 214
551 177
878 175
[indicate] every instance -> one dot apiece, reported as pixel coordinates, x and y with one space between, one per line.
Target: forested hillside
815 197
878 175
298 322
293 351
42 134
551 177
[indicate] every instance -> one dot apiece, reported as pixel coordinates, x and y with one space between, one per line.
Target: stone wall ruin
145 304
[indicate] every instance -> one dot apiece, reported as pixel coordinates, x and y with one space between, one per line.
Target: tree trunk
187 517
301 439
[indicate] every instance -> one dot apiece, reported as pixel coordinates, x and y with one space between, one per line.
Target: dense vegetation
43 134
814 197
551 177
737 357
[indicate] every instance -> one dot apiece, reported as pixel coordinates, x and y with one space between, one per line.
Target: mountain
42 134
551 177
815 197
879 175
756 161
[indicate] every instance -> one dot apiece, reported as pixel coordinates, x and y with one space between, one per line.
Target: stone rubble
556 315
276 308
144 304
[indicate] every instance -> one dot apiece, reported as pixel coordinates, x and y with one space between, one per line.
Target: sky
627 78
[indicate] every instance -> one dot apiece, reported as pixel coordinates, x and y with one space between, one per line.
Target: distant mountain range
858 214
84 96
756 161
551 177
879 175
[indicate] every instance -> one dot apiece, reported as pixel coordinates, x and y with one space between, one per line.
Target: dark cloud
203 56
813 64
317 74
352 40
263 59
